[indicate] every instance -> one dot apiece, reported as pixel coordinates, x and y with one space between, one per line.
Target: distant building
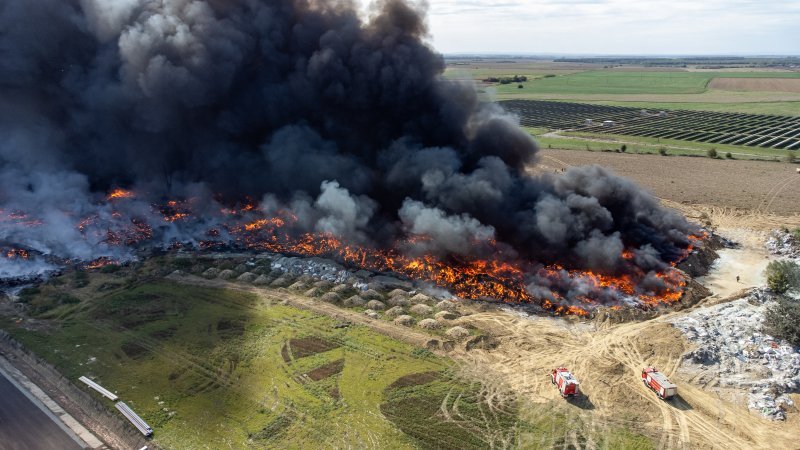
588 122
608 123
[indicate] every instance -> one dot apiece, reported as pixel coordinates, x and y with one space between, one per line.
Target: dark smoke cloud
343 120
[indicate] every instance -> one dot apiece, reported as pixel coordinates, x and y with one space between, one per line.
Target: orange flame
467 277
119 194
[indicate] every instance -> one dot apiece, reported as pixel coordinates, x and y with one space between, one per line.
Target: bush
729 155
662 151
782 276
520 86
782 320
712 153
624 148
790 156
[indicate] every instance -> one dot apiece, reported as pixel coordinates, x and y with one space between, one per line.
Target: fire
17 253
469 278
119 194
572 292
99 263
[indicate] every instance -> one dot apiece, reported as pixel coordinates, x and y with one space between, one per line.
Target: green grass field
641 88
210 368
214 368
645 145
610 82
629 82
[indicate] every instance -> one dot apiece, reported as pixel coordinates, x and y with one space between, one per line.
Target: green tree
782 276
782 320
712 153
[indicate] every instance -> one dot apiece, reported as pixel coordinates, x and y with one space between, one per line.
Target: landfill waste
731 345
784 243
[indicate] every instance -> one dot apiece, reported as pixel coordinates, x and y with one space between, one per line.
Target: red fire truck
566 382
659 383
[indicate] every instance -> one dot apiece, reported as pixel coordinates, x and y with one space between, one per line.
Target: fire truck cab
566 382
659 383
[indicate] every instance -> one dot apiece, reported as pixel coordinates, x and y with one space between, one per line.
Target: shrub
520 86
782 276
712 153
790 156
662 151
624 148
729 155
782 320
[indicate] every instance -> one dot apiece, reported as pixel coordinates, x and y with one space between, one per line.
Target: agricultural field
221 368
760 188
758 90
746 130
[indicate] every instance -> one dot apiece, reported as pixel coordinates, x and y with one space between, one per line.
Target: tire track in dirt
608 359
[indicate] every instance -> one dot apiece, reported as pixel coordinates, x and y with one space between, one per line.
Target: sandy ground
756 186
608 359
756 84
747 263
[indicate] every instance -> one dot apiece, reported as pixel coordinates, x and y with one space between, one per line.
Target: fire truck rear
566 382
659 383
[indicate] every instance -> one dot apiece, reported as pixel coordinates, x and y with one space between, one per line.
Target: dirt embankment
756 84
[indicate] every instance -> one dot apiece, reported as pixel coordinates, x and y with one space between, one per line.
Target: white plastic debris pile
318 268
784 244
732 346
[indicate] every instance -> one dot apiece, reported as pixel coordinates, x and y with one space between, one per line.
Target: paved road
24 426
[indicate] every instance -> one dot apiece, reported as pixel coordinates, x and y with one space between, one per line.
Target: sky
616 27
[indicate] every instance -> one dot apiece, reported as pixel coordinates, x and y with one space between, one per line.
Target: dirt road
608 360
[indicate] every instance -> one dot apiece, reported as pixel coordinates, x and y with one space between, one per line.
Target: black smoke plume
344 120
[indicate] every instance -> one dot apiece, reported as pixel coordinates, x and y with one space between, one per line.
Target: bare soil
308 346
327 370
756 84
607 359
758 187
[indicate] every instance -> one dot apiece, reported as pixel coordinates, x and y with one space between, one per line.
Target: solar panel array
755 130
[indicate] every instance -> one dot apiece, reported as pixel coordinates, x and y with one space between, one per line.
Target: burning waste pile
732 347
154 124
